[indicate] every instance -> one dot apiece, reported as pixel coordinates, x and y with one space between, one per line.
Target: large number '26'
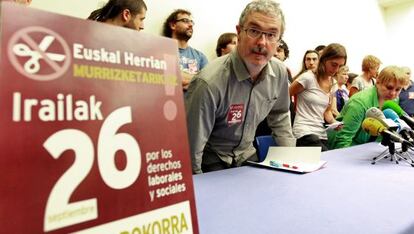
58 207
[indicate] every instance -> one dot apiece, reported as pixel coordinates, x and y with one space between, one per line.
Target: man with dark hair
233 94
125 13
179 26
320 49
282 51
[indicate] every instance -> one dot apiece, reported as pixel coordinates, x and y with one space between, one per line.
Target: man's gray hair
267 7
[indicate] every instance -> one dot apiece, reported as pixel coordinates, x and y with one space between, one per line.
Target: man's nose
262 39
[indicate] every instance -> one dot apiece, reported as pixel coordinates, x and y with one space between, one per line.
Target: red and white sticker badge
235 114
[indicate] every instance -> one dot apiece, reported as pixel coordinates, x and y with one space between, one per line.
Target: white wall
361 26
400 38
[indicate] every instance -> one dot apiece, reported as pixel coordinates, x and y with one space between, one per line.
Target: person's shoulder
366 96
278 67
216 70
307 75
276 62
195 51
358 79
410 87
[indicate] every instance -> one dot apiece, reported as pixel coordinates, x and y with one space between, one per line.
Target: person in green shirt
389 84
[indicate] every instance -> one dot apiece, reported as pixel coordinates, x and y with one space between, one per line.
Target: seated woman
389 84
314 96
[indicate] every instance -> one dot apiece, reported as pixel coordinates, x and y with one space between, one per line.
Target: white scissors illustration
32 65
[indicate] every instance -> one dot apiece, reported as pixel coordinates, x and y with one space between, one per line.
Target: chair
263 144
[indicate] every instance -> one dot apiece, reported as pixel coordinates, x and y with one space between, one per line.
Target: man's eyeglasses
271 37
185 20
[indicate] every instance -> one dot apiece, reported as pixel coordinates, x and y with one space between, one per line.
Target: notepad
297 159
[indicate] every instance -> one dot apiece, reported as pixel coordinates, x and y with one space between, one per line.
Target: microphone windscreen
393 106
375 113
391 114
373 126
393 120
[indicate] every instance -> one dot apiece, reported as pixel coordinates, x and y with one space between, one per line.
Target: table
348 196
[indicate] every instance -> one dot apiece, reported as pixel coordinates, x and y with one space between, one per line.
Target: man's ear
126 15
238 31
172 25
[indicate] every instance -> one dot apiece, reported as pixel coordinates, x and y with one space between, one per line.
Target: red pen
288 166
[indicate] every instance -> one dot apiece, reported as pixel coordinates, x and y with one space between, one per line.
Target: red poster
93 133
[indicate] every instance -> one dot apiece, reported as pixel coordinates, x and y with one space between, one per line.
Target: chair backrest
263 144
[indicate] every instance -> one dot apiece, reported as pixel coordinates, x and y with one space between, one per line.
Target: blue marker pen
274 164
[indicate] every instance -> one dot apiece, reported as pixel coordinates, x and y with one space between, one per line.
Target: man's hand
186 79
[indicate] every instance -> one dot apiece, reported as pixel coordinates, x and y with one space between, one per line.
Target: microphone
404 130
400 112
375 128
392 115
377 114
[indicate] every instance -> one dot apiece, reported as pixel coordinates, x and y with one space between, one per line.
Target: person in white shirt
370 67
314 95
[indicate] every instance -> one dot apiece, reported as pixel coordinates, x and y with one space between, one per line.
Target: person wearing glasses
282 53
228 99
179 26
124 13
314 94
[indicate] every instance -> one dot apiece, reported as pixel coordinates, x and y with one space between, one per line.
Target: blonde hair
407 71
393 74
343 68
370 61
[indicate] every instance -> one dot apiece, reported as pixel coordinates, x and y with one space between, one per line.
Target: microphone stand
386 153
397 155
405 147
405 155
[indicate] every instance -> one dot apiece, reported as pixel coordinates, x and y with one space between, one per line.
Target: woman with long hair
313 90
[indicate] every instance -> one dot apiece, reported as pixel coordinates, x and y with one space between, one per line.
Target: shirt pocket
266 107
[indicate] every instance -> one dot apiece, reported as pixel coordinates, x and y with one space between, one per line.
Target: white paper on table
298 159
